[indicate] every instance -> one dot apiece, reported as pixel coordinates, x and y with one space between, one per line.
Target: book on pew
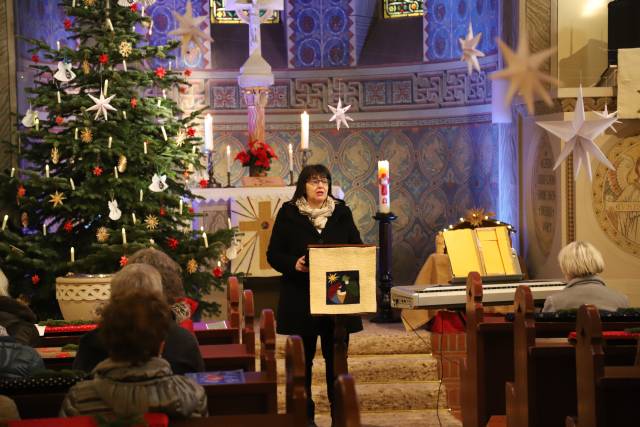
218 377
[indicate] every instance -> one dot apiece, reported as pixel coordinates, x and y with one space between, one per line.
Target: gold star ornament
192 266
189 30
102 234
524 74
86 135
151 222
56 198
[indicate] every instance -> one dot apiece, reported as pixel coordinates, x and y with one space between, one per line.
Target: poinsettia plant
257 154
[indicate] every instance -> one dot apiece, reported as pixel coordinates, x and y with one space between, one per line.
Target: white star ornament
339 114
470 52
189 30
524 74
101 106
579 135
607 115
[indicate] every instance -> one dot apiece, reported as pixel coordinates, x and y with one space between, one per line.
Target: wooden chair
230 333
347 407
218 357
607 395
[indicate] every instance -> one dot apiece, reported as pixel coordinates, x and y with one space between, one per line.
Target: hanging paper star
103 58
151 222
578 135
172 242
97 171
523 72
339 115
192 266
470 53
35 279
189 30
86 135
102 105
606 115
217 272
161 72
68 226
191 132
102 234
180 137
21 191
67 24
123 261
56 198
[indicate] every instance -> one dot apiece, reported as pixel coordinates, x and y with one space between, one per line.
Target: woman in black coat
312 216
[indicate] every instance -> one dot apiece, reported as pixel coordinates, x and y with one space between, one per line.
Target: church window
401 8
220 14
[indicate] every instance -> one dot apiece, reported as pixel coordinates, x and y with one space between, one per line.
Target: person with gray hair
581 262
181 347
16 317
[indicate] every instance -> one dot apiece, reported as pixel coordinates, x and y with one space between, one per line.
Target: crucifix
249 12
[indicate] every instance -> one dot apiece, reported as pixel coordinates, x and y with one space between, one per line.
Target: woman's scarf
317 216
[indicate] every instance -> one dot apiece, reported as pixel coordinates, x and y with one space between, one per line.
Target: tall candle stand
228 180
306 155
213 182
291 178
384 315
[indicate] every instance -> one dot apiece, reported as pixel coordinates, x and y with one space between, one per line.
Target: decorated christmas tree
105 158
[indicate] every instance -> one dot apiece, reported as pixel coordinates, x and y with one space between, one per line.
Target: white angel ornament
158 183
29 119
114 212
64 73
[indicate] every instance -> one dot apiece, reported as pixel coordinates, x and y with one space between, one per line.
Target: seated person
580 263
17 360
16 317
134 380
181 347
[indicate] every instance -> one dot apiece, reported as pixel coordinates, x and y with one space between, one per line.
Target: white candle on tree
73 185
44 229
384 204
304 130
208 132
4 221
46 171
73 254
141 195
206 241
124 236
181 206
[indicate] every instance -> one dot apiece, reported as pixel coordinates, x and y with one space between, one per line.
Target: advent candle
208 133
73 185
290 158
73 254
206 241
304 131
46 171
384 205
4 221
228 159
124 236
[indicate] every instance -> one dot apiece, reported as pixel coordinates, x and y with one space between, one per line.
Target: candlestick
73 254
141 195
13 172
124 236
206 241
228 159
181 205
291 182
384 201
46 171
110 141
44 229
229 180
213 182
304 130
58 96
208 132
385 314
290 158
115 171
4 221
73 185
133 217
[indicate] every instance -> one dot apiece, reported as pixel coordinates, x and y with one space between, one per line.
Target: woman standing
312 216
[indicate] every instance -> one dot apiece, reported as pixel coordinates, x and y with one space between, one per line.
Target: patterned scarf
317 216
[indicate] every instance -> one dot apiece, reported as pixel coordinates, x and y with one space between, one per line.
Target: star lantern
339 114
470 52
607 115
35 279
35 58
133 102
204 183
192 266
101 106
217 272
524 74
191 210
103 58
59 120
56 198
172 242
67 24
102 234
189 30
97 171
579 135
86 135
21 192
68 226
123 261
151 222
191 132
160 72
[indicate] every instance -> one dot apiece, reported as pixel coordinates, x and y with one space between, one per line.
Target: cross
262 225
249 12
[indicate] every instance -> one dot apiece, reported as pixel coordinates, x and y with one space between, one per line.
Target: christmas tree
105 160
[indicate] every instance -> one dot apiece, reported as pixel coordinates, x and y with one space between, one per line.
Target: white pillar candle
4 221
37 123
164 132
13 172
290 158
58 97
73 254
206 241
145 147
75 134
44 229
115 171
73 185
124 236
141 195
46 171
181 206
208 132
384 205
228 159
304 130
133 217
110 141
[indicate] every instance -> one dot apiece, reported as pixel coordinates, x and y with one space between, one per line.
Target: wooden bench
607 395
230 332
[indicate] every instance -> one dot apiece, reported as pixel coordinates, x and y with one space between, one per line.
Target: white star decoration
523 72
606 115
470 53
102 105
578 135
339 114
189 30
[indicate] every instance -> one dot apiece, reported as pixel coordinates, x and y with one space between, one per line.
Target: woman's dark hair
307 173
134 325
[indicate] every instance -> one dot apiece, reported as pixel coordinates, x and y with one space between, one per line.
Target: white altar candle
304 131
228 159
141 195
4 221
73 185
124 236
73 254
115 171
290 158
384 205
46 170
208 132
44 229
206 241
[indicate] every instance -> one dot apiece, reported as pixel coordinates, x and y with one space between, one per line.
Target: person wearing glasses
312 216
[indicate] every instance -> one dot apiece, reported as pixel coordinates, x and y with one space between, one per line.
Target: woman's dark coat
292 232
18 319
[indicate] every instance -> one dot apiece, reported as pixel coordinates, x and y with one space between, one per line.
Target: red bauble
187 72
204 183
172 243
161 72
67 24
35 58
133 102
59 120
162 212
134 7
97 171
123 261
217 272
191 132
21 191
103 58
35 279
68 226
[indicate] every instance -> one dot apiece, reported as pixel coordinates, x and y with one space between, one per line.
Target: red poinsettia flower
68 226
97 171
103 58
204 183
123 261
134 7
243 157
172 243
187 72
161 72
191 132
162 212
35 279
35 58
59 120
257 154
133 102
21 191
67 24
217 272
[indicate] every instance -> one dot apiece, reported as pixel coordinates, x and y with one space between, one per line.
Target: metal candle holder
228 180
385 315
291 178
306 155
213 182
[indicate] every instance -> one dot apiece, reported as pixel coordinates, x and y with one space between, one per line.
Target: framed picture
343 279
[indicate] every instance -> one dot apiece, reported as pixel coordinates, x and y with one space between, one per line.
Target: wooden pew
230 334
219 357
607 395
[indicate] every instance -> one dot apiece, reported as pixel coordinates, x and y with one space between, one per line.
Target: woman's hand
301 265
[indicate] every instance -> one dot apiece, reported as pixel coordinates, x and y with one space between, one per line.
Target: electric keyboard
450 296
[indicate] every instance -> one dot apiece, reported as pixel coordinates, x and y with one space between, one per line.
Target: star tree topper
578 135
189 30
102 104
523 72
470 52
339 114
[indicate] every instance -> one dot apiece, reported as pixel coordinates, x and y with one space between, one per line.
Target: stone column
8 103
256 99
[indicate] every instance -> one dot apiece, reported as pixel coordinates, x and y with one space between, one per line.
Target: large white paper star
189 30
607 115
339 114
102 105
470 53
523 72
578 135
